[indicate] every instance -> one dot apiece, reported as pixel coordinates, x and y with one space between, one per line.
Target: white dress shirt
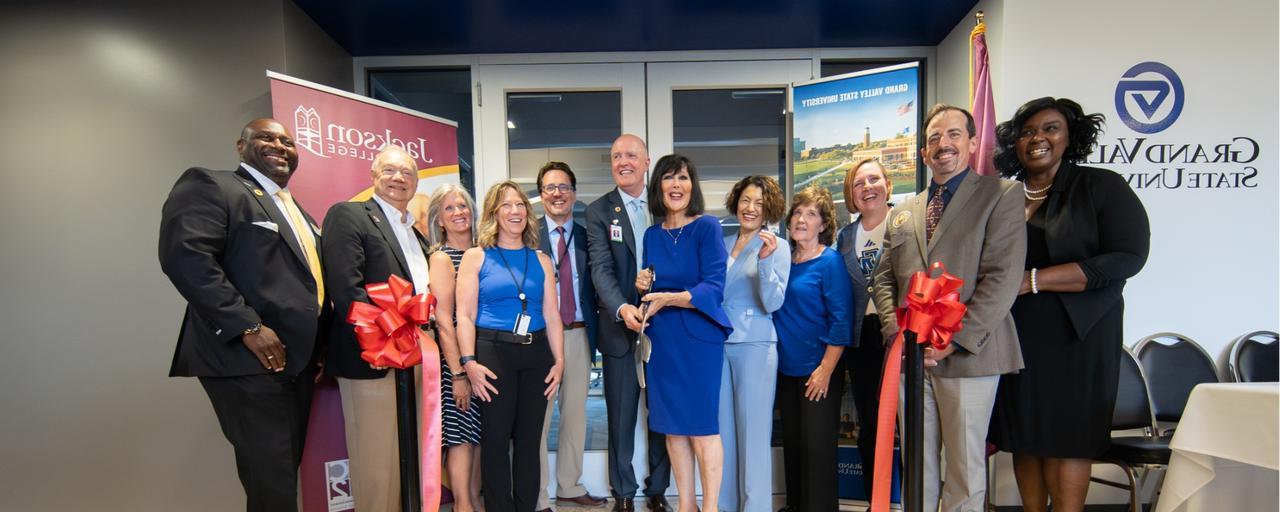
402 226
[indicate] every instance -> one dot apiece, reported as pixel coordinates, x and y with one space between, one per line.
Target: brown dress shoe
658 504
624 505
586 500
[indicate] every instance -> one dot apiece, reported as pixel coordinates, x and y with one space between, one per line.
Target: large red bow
933 309
934 312
388 332
389 336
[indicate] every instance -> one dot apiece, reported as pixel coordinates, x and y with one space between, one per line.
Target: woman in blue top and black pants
511 340
813 330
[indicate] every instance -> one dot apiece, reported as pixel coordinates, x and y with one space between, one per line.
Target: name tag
522 324
615 233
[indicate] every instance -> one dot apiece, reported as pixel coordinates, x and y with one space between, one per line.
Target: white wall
953 56
104 104
1212 272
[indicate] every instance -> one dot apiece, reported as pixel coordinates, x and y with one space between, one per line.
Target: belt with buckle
483 334
575 325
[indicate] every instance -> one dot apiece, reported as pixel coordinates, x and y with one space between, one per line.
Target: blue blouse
499 299
814 314
754 288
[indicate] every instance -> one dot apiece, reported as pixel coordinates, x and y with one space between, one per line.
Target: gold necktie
303 229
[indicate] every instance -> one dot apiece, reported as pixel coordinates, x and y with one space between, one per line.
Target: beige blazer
981 239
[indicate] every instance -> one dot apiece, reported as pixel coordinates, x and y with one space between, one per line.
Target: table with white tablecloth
1226 450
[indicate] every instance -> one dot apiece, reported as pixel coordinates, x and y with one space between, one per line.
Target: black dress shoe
658 504
546 510
624 505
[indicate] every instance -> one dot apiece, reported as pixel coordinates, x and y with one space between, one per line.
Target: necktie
564 276
639 222
933 212
302 228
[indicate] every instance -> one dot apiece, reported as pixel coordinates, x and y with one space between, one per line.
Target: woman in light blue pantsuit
754 287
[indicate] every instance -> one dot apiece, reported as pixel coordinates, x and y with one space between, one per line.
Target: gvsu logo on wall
338 486
1149 97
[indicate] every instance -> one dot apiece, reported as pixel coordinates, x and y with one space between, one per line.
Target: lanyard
559 259
524 301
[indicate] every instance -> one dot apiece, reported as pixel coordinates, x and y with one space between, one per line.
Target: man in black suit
615 224
366 242
566 242
243 254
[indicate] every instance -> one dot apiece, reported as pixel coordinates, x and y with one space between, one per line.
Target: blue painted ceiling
422 27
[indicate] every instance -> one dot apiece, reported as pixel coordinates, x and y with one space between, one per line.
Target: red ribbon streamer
390 335
934 313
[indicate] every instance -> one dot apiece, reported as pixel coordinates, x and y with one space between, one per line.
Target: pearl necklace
1036 195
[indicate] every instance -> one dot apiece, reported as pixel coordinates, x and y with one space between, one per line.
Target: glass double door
728 117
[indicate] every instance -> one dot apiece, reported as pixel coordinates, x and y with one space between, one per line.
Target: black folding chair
1172 364
1255 357
1136 455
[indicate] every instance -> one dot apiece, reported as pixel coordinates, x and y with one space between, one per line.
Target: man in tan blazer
975 226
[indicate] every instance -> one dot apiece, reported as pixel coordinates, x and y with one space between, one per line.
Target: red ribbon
390 335
934 312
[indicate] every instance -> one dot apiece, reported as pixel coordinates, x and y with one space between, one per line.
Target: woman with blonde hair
866 193
511 338
448 230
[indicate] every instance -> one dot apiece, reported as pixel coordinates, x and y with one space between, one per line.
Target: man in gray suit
615 228
974 225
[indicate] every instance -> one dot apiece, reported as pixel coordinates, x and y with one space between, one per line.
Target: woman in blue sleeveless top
683 289
511 339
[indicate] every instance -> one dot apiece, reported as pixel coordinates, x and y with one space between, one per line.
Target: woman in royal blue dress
682 289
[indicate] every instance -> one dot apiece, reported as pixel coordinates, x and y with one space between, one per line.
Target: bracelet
466 359
460 376
1034 289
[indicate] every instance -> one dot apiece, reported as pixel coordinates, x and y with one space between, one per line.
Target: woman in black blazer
1087 233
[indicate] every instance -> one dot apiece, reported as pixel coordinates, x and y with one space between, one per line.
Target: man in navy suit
366 242
566 242
243 254
615 223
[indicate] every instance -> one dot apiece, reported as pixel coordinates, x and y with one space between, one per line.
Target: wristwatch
466 359
257 328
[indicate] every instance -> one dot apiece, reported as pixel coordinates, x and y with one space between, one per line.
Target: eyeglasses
563 188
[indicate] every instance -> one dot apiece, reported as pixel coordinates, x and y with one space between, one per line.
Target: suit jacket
613 270
1093 218
862 290
230 252
359 248
586 291
754 289
981 239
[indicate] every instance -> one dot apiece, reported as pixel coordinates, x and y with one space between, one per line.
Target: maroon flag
980 102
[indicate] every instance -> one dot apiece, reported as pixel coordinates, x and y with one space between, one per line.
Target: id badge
522 324
615 233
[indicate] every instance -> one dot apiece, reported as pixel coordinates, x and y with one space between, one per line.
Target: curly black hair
1082 133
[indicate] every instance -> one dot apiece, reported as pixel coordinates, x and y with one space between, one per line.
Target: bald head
629 161
267 146
392 152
